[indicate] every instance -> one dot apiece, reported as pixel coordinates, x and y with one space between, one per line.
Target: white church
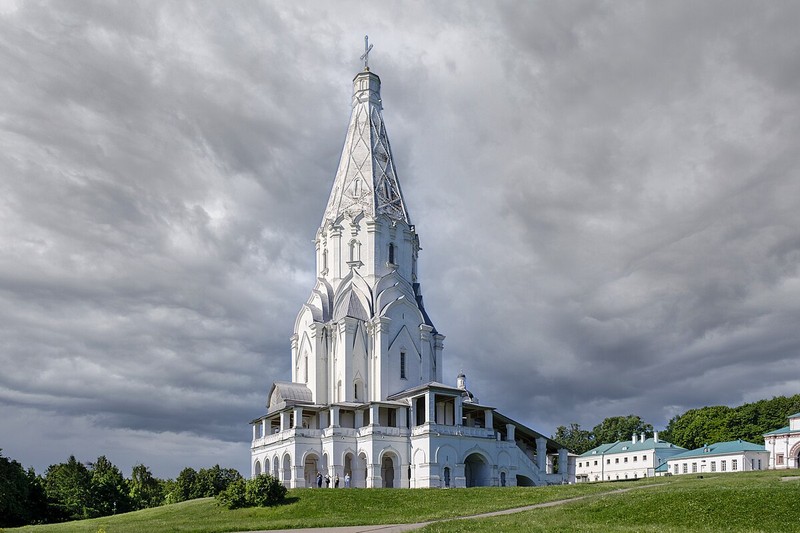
367 397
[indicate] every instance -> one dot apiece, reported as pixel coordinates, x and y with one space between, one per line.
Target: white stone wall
712 463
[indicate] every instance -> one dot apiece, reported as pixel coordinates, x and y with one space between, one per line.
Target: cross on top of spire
365 56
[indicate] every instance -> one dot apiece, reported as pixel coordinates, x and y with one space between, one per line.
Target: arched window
355 250
391 253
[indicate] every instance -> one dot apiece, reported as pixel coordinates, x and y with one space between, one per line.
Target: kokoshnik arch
366 396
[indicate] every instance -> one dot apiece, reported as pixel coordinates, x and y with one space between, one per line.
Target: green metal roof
796 415
627 446
780 431
721 448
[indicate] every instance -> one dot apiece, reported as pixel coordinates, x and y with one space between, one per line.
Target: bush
235 496
264 490
260 491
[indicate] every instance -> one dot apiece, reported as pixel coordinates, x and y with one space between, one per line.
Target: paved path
398 528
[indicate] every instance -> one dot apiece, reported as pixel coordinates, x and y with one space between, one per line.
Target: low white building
366 397
731 456
784 445
637 458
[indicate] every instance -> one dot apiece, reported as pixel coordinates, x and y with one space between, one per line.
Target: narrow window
713 466
722 466
324 260
735 464
675 467
355 390
391 253
305 363
402 365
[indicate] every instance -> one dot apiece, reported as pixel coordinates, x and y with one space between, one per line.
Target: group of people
327 479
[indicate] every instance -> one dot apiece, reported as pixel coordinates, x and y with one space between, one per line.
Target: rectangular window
616 460
675 468
735 464
752 464
722 466
626 459
759 464
608 461
402 365
580 465
685 467
779 459
595 463
635 458
644 458
713 466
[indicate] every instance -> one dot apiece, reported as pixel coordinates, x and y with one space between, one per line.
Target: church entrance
310 469
476 470
387 471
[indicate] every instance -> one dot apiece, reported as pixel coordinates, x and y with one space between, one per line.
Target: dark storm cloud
605 195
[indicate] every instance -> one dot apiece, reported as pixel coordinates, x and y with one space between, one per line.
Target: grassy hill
733 502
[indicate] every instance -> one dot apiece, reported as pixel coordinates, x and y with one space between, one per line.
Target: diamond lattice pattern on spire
366 179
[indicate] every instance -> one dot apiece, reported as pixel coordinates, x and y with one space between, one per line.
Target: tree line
74 490
692 429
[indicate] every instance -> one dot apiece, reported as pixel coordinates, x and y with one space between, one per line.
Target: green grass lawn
732 502
743 502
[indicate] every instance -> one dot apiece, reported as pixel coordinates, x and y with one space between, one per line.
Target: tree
619 428
15 494
109 490
68 489
183 487
577 440
145 490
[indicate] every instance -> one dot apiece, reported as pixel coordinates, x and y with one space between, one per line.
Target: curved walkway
398 528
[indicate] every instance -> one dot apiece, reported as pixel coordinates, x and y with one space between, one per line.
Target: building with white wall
720 457
367 396
784 445
636 458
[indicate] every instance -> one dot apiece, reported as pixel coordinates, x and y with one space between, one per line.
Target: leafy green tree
21 497
68 489
109 490
145 490
619 428
184 487
212 481
574 438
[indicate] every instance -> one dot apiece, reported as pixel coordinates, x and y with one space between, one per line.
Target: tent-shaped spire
366 179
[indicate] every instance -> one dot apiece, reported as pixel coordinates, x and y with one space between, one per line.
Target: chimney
633 439
643 439
655 436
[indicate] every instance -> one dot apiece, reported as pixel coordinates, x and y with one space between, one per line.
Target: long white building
720 457
367 396
633 459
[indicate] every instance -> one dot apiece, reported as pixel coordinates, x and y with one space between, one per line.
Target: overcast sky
606 195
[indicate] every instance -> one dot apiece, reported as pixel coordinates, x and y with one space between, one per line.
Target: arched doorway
310 469
387 471
287 470
348 466
476 470
359 476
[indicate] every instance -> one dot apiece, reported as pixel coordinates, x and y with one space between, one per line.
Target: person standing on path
327 481
347 480
336 482
319 480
